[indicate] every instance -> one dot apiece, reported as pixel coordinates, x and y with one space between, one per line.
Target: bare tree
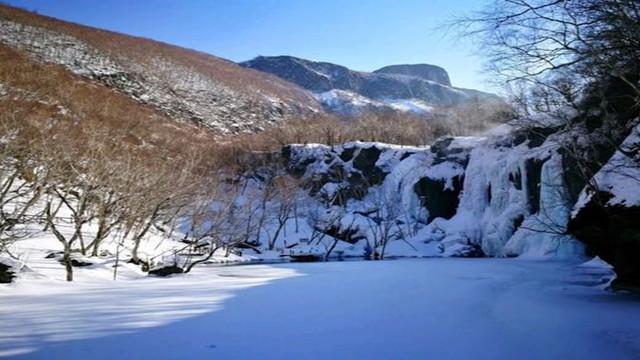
285 202
23 179
535 40
324 221
385 223
216 222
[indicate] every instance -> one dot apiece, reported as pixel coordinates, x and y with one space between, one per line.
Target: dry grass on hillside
399 128
147 52
395 128
47 102
49 97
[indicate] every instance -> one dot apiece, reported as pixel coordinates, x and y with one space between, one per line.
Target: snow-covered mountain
413 88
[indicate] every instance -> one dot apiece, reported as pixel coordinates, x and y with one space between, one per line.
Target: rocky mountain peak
424 71
311 75
422 85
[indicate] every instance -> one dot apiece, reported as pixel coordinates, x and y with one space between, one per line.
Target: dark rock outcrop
353 169
80 263
607 215
613 233
535 135
166 271
6 274
534 172
423 71
365 161
350 235
439 200
446 149
470 251
76 259
311 75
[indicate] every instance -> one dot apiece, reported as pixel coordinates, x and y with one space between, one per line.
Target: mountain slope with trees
182 84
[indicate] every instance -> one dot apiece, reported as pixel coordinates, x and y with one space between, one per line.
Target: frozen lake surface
398 309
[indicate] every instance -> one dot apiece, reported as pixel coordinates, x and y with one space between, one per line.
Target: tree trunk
134 251
66 259
333 246
95 244
272 241
137 239
209 256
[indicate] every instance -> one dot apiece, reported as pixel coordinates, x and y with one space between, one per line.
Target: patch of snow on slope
347 102
411 105
350 103
620 176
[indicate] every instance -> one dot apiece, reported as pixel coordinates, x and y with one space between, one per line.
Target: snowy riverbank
403 309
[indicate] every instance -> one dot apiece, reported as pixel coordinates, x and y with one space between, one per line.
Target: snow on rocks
619 177
606 215
499 195
350 103
378 183
513 200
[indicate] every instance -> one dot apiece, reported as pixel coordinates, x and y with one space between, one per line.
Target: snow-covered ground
396 309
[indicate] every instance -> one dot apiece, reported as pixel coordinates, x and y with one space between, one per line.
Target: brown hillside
183 84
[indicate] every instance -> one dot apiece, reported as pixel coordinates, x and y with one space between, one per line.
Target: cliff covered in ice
503 194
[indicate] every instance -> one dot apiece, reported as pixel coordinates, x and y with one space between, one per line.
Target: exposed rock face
366 161
384 184
533 170
340 173
424 71
613 233
607 214
77 260
166 271
349 235
503 195
6 274
439 200
422 82
429 177
311 75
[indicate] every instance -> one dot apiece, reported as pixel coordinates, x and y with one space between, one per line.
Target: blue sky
363 35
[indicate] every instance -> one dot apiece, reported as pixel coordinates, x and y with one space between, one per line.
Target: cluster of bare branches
577 61
75 156
472 117
558 47
67 185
